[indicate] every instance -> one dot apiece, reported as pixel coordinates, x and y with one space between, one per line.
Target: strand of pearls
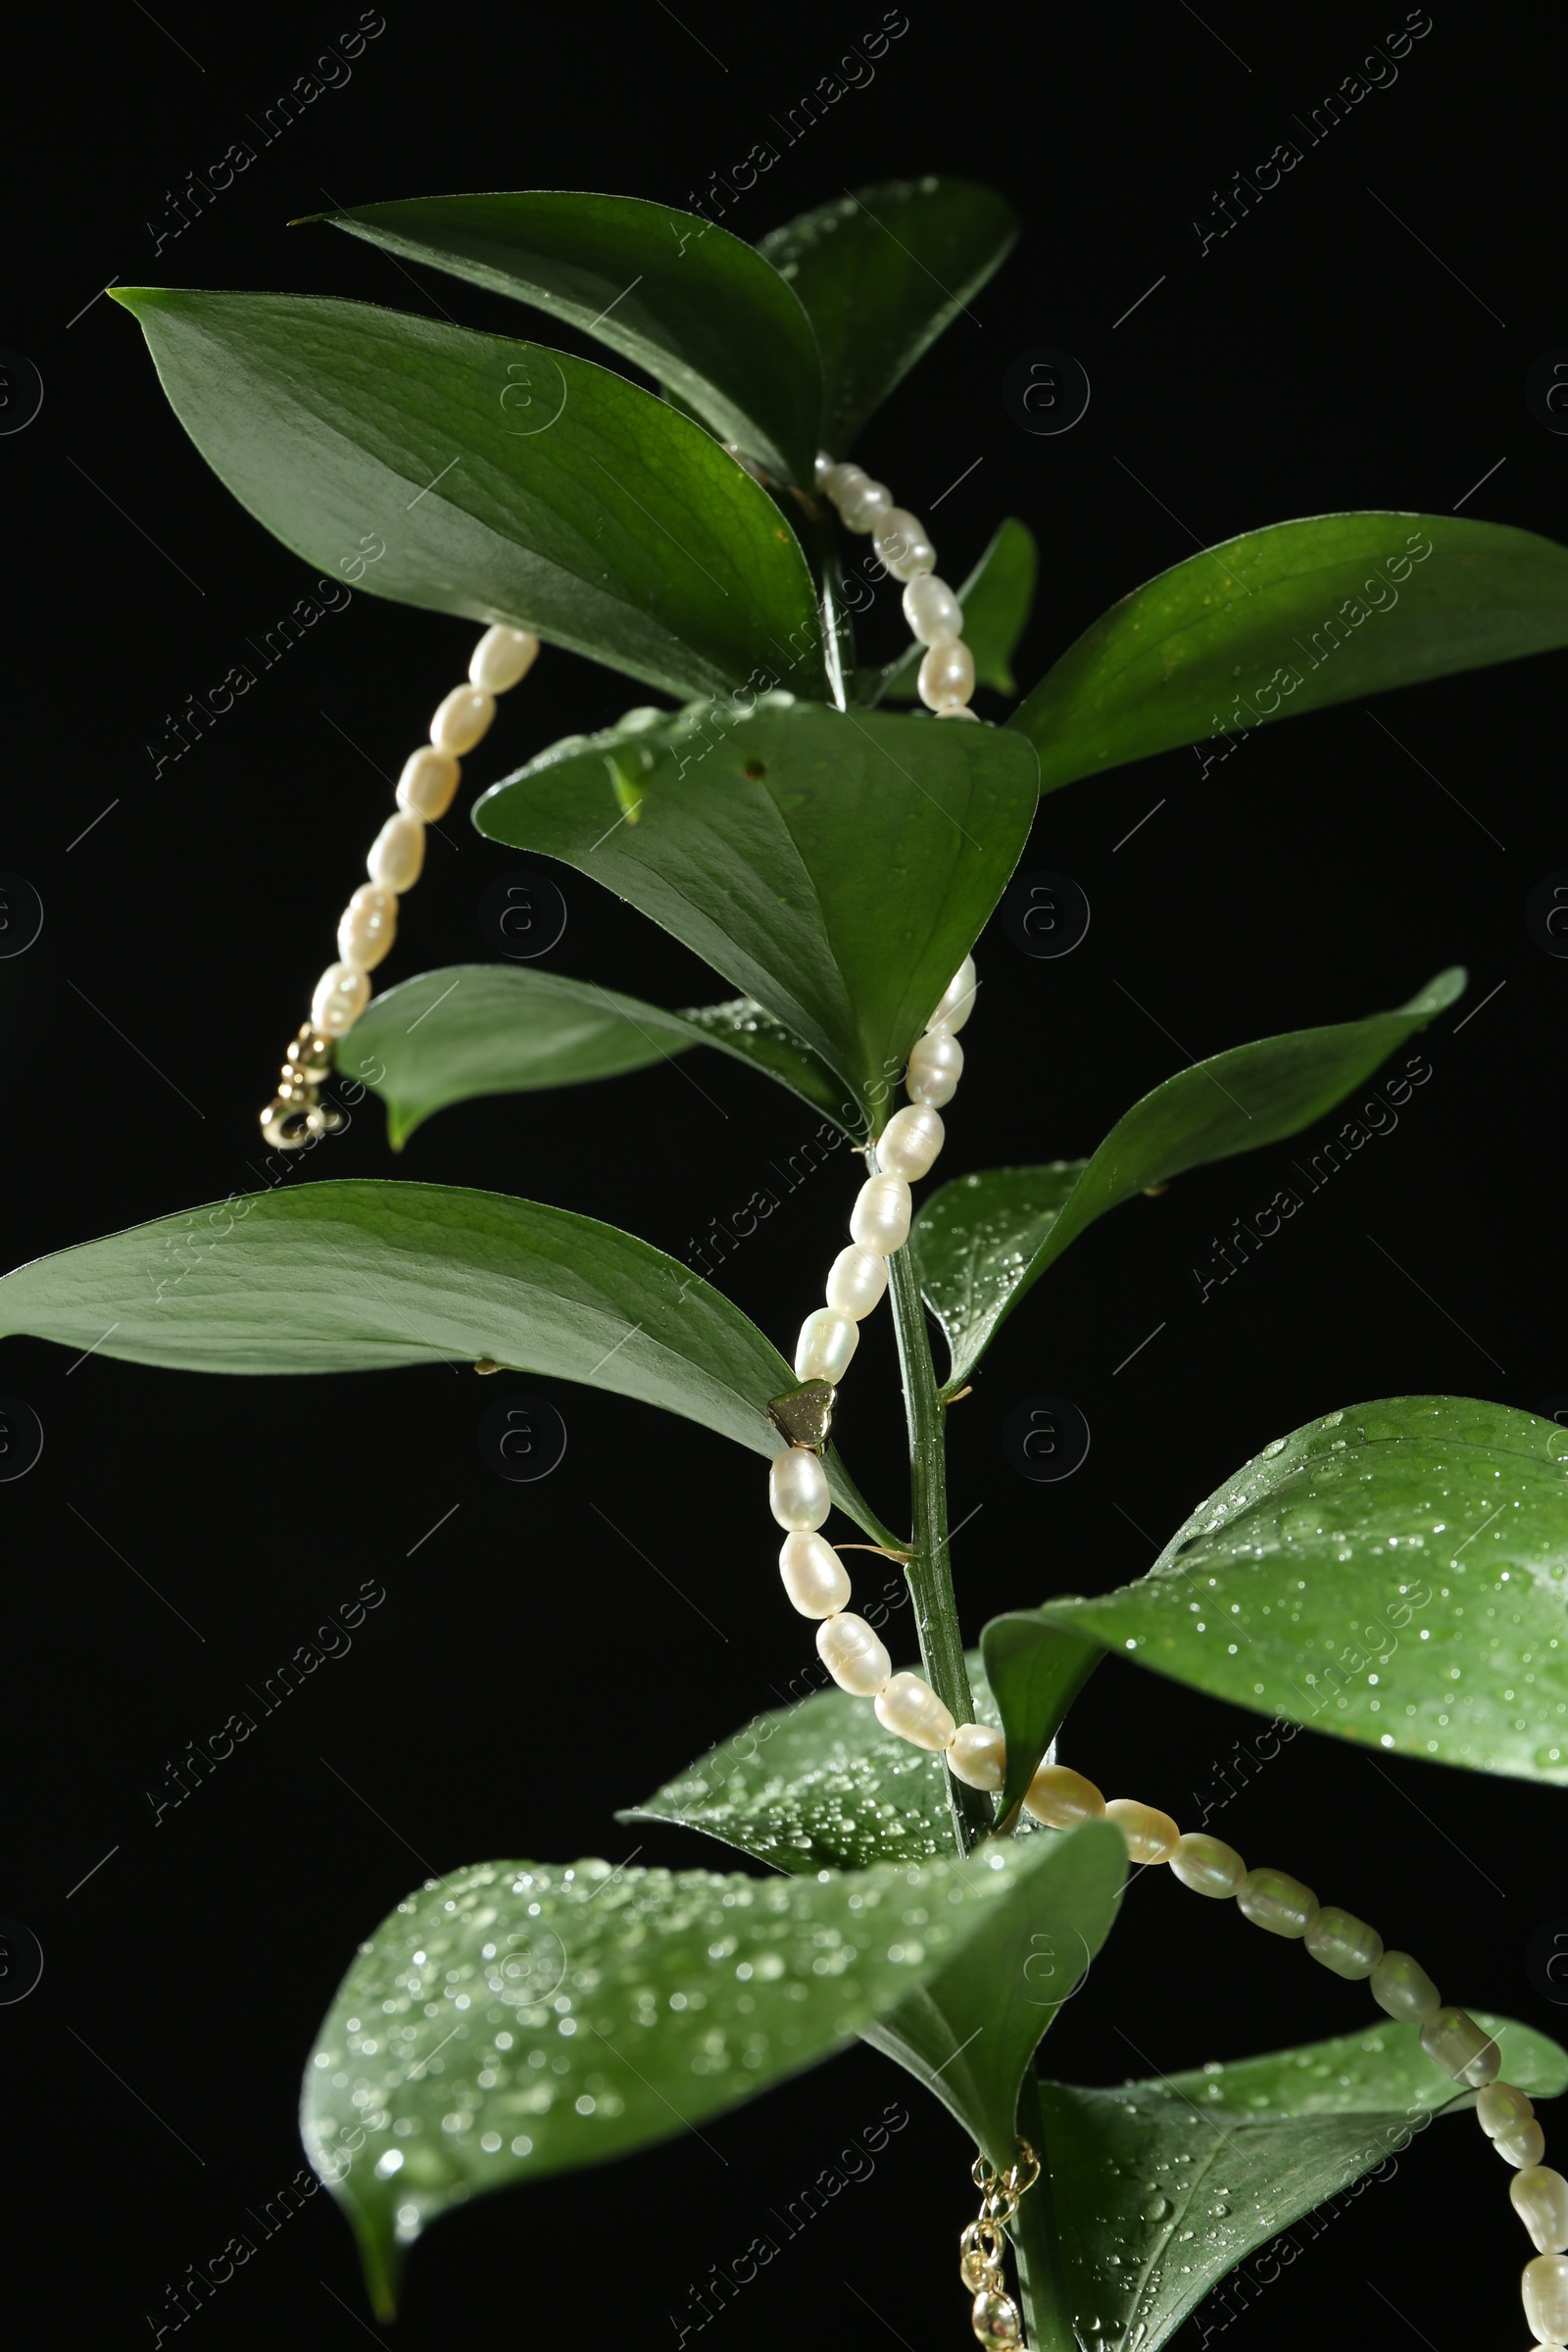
425 789
815 1580
1338 1941
932 611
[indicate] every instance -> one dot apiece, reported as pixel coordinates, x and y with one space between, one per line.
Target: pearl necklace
296 1116
818 1584
814 1577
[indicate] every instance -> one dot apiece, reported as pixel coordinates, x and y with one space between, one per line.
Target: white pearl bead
936 1064
945 675
856 1281
1540 2197
910 1707
368 926
899 539
978 1756
796 1489
1272 1899
826 1346
1546 2297
1500 2108
821 468
1525 2145
880 1217
501 658
909 1143
428 782
863 506
932 611
1151 1835
1453 2039
1061 1798
462 719
1339 1940
1207 1865
853 1655
839 480
955 711
397 854
814 1577
1401 1986
956 1000
341 995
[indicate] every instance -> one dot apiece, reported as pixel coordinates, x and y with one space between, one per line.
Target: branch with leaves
833 859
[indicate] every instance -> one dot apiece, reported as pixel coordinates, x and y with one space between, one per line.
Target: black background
528 1672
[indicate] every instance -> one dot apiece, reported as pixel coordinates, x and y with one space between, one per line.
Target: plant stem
929 1572
1036 2242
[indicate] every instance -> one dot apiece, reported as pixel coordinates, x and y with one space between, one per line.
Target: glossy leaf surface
672 293
503 1028
1163 2186
819 1785
1288 620
358 1275
569 2015
473 474
997 597
880 274
1035 1671
1395 1573
970 2033
836 867
983 1240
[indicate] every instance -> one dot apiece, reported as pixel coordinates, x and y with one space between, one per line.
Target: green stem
929 1572
1036 2244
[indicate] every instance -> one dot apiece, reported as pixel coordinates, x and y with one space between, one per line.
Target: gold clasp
295 1117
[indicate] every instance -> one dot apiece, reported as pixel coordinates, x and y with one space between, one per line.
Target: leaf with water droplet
1355 1571
820 1783
517 2018
1264 2140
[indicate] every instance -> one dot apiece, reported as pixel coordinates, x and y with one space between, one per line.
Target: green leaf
837 866
1163 2186
881 273
997 597
983 1241
503 1029
362 1274
1288 620
1034 1672
378 447
672 293
1394 1573
567 2015
970 2032
819 1785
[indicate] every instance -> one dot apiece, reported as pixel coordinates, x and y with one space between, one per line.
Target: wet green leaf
819 1785
836 867
1395 1573
473 474
1288 620
515 2020
880 274
503 1029
1163 2186
983 1241
970 2033
362 1274
1035 1671
668 291
997 597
